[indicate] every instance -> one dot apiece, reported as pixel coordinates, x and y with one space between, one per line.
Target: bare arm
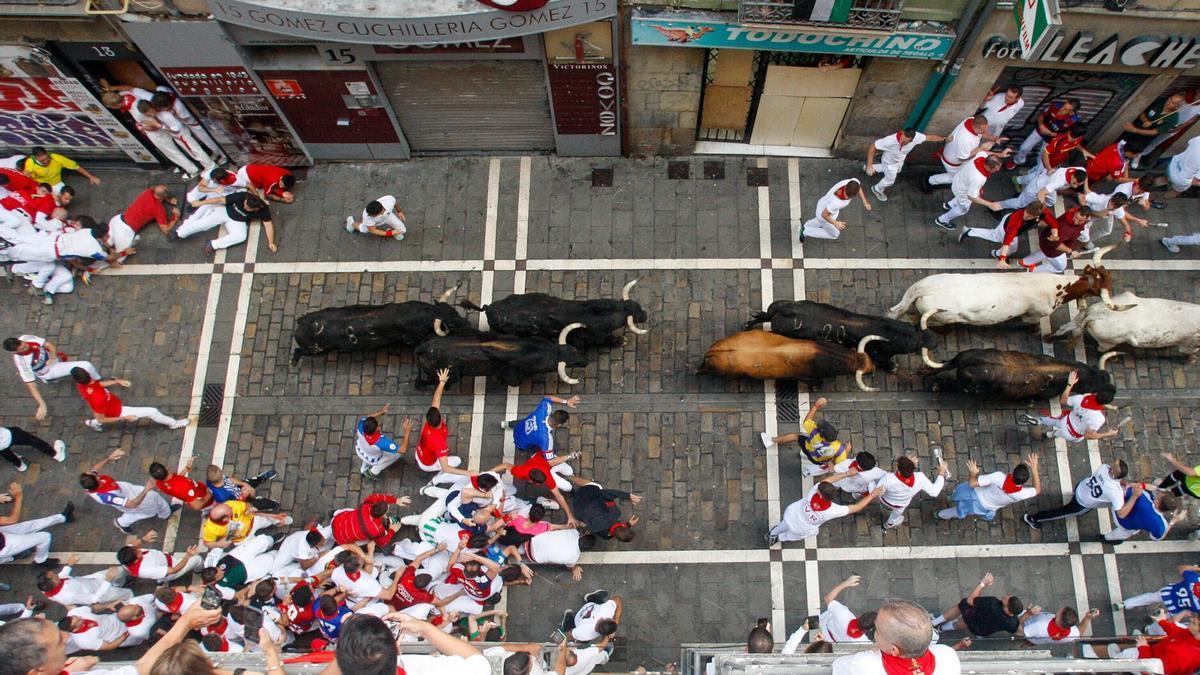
269 230
816 408
1182 468
850 582
871 159
442 642
40 414
91 178
137 501
987 580
1086 621
443 376
870 497
18 496
1129 504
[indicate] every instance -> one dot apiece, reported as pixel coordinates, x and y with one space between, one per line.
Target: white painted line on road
566 265
522 243
160 269
479 399
380 266
704 557
866 553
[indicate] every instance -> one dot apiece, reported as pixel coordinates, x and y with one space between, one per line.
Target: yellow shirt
816 448
236 529
51 174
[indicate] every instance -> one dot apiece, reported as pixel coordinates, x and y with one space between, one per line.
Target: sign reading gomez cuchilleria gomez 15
283 16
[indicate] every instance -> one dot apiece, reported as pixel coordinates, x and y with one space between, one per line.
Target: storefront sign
232 81
712 30
1143 51
59 112
405 31
498 46
284 88
1037 22
515 5
585 98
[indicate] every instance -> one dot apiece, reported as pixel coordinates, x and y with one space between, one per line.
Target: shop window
1100 95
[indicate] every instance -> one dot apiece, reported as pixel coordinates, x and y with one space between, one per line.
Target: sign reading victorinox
511 21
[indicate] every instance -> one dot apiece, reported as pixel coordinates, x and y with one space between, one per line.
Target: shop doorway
1100 95
337 113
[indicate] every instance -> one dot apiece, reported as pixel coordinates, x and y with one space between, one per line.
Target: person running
154 565
1083 417
1181 596
803 518
1154 120
1044 189
1106 209
866 471
967 189
1178 651
134 504
1054 120
37 358
535 431
1064 626
377 451
1000 106
226 488
18 538
902 486
382 217
1007 232
894 149
825 224
433 450
596 507
106 407
984 495
1056 241
1055 154
964 142
818 441
1184 480
1183 171
193 493
1146 513
983 615
12 436
1111 163
1101 489
838 623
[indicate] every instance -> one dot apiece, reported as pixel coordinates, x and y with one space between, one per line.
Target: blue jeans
967 503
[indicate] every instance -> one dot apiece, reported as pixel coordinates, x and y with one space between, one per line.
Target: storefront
779 88
467 78
1116 65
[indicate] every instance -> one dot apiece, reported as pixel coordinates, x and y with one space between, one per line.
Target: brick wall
882 102
663 95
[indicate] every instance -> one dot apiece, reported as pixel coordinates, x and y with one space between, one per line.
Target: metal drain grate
210 404
679 170
714 170
602 177
787 401
757 177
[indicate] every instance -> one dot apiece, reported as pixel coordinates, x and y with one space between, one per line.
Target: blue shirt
534 433
1182 595
226 491
332 627
1144 517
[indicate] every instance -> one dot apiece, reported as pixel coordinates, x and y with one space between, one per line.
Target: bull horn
1106 298
1099 254
929 359
926 317
862 349
449 293
634 327
562 373
562 335
627 288
1108 355
439 329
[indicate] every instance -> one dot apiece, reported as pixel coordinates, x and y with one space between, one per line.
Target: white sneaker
22 467
350 224
179 424
548 504
94 425
879 195
60 451
397 235
767 439
1168 245
424 491
288 520
504 425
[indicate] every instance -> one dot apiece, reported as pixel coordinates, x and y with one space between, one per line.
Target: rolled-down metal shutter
470 105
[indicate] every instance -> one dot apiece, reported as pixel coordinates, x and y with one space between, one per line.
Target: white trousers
1119 533
1033 174
819 228
376 465
51 277
20 537
995 234
254 553
958 207
193 564
153 506
192 148
441 476
945 177
61 369
1097 228
889 176
1027 196
152 414
1061 430
1184 240
166 145
896 515
1044 263
1031 143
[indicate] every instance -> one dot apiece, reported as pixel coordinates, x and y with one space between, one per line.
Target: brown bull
769 356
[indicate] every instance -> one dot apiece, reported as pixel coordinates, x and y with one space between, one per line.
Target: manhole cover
210 405
756 177
679 170
602 177
714 170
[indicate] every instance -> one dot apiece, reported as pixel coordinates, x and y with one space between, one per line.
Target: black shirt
987 616
235 208
597 508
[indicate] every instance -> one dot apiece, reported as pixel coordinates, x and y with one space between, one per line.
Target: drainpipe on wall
947 71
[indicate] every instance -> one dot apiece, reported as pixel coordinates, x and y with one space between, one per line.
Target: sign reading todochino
422 30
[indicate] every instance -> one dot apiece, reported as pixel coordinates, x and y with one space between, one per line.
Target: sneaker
889 526
208 249
1026 418
60 451
505 425
179 424
568 619
22 467
1089 246
548 504
771 539
46 564
288 520
995 253
879 194
397 235
47 298
350 225
597 596
767 439
963 235
86 278
1137 160
94 425
1168 245
5 587
424 491
117 522
370 475
1033 524
266 475
1029 267
946 206
1118 606
175 508
362 470
68 511
1016 183
944 226
1158 205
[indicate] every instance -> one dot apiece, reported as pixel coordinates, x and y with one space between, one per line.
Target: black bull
542 315
1015 376
512 360
809 320
365 327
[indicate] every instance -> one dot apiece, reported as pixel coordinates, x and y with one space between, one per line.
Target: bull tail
757 319
901 308
296 354
470 306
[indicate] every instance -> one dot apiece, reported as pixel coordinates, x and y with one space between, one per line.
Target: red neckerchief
134 566
373 438
54 591
907 481
612 530
819 503
175 604
323 615
853 630
224 645
898 137
1010 486
841 193
353 576
854 465
84 627
136 622
217 628
1089 401
1071 173
1055 631
981 165
105 484
895 665
969 124
475 483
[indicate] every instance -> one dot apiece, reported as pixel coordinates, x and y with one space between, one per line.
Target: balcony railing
873 15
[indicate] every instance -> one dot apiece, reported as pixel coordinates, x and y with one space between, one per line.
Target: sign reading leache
711 30
1180 52
401 31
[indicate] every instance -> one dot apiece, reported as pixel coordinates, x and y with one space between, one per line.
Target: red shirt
1179 651
1109 162
1013 224
99 399
182 488
28 202
144 210
266 178
407 593
1068 232
1059 149
522 470
19 181
432 444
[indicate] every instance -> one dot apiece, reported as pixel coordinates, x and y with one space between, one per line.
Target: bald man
902 635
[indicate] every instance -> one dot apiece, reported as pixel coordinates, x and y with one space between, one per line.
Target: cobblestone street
708 252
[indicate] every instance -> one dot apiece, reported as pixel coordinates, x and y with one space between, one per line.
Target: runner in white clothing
555 547
1102 489
902 486
154 565
88 631
134 503
962 144
825 225
868 471
1044 188
894 149
838 623
1106 209
967 188
72 591
166 99
902 645
1083 417
1044 628
1000 106
36 359
382 217
182 134
1183 171
803 519
16 537
984 495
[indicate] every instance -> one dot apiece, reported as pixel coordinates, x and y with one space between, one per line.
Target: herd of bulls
530 334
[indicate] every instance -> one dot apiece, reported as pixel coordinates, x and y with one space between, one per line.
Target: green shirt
1192 483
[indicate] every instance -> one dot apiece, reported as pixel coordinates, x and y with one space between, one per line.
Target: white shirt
1036 630
871 662
1081 419
999 113
835 624
140 632
364 587
859 482
1186 165
894 154
559 547
1100 490
588 616
969 180
898 495
169 121
79 590
961 143
154 565
804 520
1098 203
441 664
991 492
108 628
831 202
294 548
188 600
586 660
389 206
1057 179
27 366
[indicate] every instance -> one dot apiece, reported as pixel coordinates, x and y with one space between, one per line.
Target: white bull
1153 323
